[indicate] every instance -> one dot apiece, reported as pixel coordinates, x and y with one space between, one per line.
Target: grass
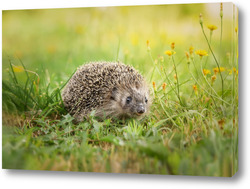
192 128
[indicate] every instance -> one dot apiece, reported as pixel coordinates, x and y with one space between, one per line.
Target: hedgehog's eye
146 100
129 99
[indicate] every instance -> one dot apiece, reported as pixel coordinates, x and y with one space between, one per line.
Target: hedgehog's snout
140 109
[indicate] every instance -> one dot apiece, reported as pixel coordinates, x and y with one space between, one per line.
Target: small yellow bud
172 45
191 50
195 89
154 85
221 10
164 86
148 45
213 78
201 20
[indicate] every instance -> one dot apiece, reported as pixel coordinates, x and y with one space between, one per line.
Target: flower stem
170 83
212 89
221 24
197 72
210 94
177 80
216 61
221 28
210 41
155 67
151 58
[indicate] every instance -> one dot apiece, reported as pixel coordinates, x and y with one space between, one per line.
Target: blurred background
53 42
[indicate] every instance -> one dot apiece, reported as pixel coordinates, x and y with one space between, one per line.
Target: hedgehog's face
134 105
133 102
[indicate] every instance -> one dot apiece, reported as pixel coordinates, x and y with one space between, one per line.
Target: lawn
188 54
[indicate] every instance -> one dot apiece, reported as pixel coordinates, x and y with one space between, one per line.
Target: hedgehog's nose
140 110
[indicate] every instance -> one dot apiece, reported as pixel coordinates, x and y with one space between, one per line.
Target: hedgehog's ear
113 93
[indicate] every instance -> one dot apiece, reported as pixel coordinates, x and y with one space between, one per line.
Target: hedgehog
109 89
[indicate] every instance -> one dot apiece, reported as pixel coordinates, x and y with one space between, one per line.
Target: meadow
187 53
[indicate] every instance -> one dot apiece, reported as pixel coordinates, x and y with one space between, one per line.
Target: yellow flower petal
169 53
206 72
212 27
201 53
216 70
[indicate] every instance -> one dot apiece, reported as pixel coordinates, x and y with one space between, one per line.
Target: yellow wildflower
217 70
234 69
212 27
213 78
169 53
18 68
175 77
191 50
201 53
164 86
206 72
222 69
